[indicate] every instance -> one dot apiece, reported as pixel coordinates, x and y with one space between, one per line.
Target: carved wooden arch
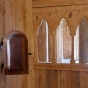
15 51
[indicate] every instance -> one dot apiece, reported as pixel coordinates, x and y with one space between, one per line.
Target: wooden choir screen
45 45
15 53
62 43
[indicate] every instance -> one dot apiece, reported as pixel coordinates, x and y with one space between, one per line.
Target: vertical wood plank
20 15
10 15
42 79
83 80
29 33
19 81
48 79
54 79
69 79
17 17
63 79
36 78
59 81
10 82
76 79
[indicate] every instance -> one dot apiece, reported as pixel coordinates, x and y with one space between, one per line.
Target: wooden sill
56 66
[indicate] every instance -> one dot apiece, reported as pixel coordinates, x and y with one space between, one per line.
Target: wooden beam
49 3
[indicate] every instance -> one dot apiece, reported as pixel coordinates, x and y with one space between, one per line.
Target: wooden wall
17 15
51 75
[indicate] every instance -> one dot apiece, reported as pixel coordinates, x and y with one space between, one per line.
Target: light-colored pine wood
69 78
37 78
9 15
59 81
73 67
72 14
45 3
63 79
18 16
42 79
76 79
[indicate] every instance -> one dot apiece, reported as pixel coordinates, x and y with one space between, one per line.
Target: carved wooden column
72 61
53 33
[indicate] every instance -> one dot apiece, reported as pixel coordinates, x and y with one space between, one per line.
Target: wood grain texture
54 79
83 80
18 16
48 79
37 78
69 77
61 79
76 79
72 14
55 14
45 3
15 59
42 79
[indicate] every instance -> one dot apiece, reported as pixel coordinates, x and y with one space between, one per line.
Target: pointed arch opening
63 42
44 43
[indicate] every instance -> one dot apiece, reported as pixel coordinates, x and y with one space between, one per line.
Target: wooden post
54 42
72 61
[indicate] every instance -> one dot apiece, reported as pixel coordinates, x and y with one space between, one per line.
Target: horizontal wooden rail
50 66
53 3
